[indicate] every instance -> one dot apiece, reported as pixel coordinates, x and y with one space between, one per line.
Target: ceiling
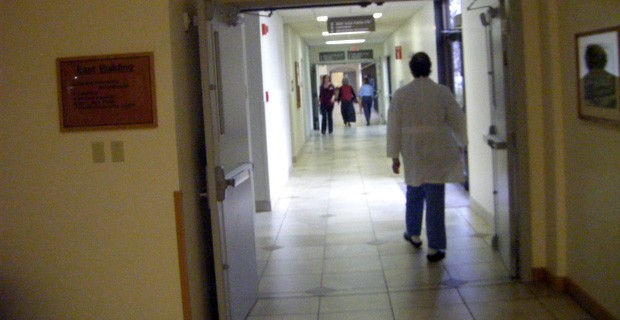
395 14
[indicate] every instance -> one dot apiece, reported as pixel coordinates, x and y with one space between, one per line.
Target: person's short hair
596 58
345 80
420 65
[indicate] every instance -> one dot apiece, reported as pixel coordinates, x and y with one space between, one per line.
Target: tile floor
332 248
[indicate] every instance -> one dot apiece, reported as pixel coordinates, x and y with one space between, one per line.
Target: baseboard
263 206
182 249
587 302
481 211
564 284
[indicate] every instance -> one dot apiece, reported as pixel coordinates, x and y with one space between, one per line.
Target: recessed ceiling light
377 15
326 34
346 41
321 18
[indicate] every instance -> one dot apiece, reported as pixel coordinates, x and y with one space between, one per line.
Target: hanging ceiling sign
350 24
359 54
331 56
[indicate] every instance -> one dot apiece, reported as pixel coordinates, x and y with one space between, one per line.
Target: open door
501 138
229 169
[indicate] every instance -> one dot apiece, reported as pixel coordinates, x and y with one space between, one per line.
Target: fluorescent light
326 34
377 15
346 41
321 18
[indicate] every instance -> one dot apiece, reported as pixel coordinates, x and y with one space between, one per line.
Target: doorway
347 147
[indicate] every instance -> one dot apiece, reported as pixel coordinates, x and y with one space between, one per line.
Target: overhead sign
331 56
359 54
350 24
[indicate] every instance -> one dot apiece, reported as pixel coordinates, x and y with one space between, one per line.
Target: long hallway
332 247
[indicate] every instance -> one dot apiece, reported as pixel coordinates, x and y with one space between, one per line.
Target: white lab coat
426 127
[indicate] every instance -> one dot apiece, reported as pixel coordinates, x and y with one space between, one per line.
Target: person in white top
426 127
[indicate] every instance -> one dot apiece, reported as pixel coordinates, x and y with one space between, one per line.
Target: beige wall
592 158
78 239
575 161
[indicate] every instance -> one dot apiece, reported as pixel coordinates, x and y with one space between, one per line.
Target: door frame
520 167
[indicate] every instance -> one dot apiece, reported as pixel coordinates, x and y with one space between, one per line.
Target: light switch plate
118 151
98 152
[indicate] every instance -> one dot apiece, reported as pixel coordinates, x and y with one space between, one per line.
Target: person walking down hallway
326 100
427 128
346 97
367 93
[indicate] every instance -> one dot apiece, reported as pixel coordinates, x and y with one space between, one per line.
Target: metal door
229 168
501 138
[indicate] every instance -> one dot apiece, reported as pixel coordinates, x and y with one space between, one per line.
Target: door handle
496 142
232 179
221 183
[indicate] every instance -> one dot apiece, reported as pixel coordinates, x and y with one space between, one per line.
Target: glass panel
454 9
457 72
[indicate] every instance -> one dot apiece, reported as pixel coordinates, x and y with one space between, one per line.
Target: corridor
332 247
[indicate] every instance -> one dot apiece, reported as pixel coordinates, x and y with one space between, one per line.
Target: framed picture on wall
598 75
107 92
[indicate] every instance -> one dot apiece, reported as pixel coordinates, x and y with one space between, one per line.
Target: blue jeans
367 103
434 197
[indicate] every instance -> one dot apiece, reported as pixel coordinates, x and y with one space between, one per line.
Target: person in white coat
426 127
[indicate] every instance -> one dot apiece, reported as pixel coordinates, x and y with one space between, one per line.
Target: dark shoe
436 257
417 245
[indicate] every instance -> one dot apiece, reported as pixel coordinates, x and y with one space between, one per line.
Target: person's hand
395 165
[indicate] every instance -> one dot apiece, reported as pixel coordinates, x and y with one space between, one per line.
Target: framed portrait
107 92
598 75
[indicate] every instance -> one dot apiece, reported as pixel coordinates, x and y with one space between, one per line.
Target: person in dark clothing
326 101
346 97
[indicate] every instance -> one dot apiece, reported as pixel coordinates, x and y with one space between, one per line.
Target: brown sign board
107 92
350 24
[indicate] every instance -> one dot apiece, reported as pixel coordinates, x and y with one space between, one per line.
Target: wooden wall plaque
107 92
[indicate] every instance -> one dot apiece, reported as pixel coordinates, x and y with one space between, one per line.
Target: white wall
258 122
418 34
276 110
478 102
296 52
79 238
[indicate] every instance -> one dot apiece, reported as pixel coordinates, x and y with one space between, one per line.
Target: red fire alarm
399 52
266 96
264 28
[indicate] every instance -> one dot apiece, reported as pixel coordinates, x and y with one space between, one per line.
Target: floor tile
358 315
415 278
352 264
349 303
290 284
563 308
359 282
332 248
292 267
288 306
510 291
514 310
452 312
425 298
